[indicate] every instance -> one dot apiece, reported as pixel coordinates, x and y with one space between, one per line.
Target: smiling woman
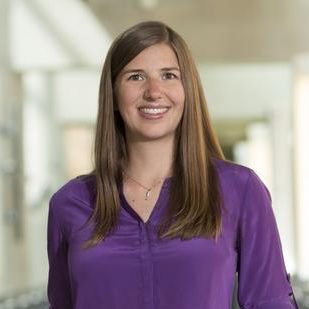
150 95
163 220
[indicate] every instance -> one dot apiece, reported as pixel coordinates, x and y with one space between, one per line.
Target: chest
142 201
134 252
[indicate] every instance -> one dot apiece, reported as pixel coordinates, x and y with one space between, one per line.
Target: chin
155 136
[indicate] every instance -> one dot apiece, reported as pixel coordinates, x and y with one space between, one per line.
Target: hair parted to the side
195 205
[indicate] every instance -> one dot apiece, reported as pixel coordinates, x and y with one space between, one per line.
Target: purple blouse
133 269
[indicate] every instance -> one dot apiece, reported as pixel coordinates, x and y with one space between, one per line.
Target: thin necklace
148 190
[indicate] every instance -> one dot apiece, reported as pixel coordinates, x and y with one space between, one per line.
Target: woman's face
150 94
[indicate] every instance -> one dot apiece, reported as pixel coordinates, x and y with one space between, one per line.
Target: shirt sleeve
58 289
263 282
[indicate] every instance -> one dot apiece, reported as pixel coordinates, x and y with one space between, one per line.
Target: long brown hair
195 203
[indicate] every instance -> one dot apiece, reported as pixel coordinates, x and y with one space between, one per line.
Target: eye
169 75
136 77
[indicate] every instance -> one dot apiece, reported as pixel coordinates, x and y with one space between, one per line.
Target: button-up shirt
134 269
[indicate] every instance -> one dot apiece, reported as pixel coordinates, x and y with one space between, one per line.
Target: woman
163 221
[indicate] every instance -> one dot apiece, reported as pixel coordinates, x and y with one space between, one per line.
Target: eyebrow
141 70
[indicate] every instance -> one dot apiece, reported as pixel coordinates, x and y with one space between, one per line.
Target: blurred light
148 4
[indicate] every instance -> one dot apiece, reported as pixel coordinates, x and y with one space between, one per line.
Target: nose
153 90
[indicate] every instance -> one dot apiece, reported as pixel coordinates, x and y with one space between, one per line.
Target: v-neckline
133 212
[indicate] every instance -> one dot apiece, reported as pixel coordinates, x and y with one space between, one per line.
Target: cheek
126 97
178 96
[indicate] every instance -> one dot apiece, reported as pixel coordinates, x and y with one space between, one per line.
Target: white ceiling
220 31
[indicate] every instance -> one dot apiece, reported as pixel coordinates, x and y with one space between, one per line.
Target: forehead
161 55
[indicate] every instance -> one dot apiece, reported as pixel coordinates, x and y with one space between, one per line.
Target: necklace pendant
147 195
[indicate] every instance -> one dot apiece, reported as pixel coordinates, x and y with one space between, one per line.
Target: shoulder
81 188
240 183
230 172
76 193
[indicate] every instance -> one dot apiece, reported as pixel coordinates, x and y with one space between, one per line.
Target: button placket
146 265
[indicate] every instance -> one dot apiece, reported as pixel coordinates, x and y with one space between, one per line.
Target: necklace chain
148 190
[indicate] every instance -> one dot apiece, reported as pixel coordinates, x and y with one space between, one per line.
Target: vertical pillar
11 170
281 124
301 161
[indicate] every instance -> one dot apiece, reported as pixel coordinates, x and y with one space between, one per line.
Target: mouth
153 110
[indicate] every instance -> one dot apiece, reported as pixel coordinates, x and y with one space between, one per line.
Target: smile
153 111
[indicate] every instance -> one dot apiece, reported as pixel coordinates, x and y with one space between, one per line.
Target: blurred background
253 57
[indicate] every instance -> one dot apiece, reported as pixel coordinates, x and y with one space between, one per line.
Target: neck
150 160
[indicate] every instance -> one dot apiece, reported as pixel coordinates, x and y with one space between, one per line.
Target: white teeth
154 111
